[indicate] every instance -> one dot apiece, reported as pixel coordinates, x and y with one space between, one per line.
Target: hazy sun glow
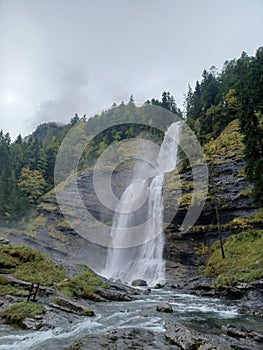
10 98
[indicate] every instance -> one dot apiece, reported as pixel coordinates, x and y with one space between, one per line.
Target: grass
202 249
11 290
56 234
3 280
243 262
83 285
257 217
30 265
48 206
16 313
36 223
6 289
227 145
185 200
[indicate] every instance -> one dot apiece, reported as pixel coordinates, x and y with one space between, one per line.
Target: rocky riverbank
179 332
59 309
63 292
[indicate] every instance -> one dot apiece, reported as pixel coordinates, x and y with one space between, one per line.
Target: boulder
114 295
164 307
233 293
232 331
186 339
70 306
139 283
120 339
31 323
147 291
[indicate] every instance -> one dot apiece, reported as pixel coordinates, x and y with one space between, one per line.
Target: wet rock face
232 188
119 181
139 283
164 307
72 306
229 338
184 338
121 339
230 184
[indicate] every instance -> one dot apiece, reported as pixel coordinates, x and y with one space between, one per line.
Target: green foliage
227 144
205 112
202 249
257 217
83 285
243 261
37 154
237 92
16 313
32 184
3 280
11 290
127 122
30 265
166 102
48 206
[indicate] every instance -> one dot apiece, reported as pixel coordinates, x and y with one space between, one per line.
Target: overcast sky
58 57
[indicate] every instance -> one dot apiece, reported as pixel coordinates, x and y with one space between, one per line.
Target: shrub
16 313
83 285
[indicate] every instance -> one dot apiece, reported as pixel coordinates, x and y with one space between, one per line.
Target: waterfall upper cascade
137 230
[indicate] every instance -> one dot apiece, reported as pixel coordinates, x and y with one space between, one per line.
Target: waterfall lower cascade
137 230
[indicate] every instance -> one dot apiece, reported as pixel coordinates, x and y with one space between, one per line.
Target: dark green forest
27 164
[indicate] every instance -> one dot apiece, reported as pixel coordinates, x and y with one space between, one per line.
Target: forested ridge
27 165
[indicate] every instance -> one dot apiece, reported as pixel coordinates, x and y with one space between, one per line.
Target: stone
73 306
114 295
232 331
31 323
4 240
139 283
121 339
147 291
243 333
164 307
233 293
186 339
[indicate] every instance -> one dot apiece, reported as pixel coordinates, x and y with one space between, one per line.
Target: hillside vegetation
243 261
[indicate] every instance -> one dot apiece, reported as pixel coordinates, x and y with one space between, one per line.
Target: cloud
71 97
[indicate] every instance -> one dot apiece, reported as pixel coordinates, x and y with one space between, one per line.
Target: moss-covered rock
30 265
243 259
16 313
83 285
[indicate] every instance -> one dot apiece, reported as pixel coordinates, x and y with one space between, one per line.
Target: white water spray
142 257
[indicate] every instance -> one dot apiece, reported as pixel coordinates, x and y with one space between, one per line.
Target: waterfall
137 229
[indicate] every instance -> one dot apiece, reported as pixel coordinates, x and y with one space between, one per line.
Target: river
207 315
